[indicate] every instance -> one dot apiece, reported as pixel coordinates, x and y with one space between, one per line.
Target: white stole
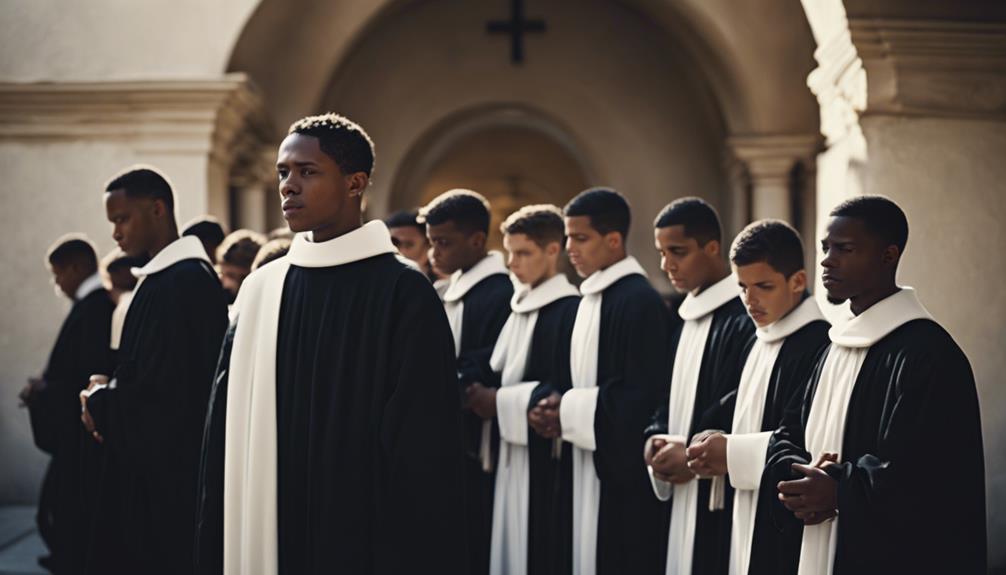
454 305
747 445
251 544
826 423
576 411
697 311
508 553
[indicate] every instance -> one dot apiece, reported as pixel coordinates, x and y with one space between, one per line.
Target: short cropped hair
773 242
467 209
541 223
341 139
883 218
699 219
144 182
73 249
239 248
607 209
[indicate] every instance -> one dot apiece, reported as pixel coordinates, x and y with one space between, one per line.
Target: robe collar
528 299
879 320
808 311
184 248
603 279
369 240
710 299
461 282
91 284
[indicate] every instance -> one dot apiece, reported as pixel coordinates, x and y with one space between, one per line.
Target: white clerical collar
710 299
366 241
880 319
603 279
87 286
808 311
461 282
184 248
528 299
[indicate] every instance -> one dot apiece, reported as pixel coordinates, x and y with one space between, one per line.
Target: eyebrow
298 164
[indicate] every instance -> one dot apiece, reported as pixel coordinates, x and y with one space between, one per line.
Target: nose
828 262
665 264
510 261
287 187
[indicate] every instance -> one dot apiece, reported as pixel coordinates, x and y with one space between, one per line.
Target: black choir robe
369 456
632 367
486 309
775 547
152 421
727 345
911 481
81 350
550 512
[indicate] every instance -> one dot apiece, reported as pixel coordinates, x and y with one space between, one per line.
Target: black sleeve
492 313
209 531
420 440
658 419
626 400
935 415
739 337
156 414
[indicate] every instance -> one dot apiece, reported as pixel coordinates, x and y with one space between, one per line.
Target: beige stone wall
949 176
640 118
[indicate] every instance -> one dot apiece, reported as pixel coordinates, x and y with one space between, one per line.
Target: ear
552 249
478 240
798 282
159 208
891 255
712 248
358 183
614 240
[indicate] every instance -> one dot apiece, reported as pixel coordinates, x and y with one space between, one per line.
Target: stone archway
514 156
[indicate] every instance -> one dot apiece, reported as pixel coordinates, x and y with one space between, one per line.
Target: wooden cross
516 27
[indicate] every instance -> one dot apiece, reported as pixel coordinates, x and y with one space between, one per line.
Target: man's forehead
298 147
844 228
673 235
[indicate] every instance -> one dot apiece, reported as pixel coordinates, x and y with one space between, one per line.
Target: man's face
767 294
686 263
853 259
529 262
314 191
411 243
588 250
133 221
453 249
66 278
231 278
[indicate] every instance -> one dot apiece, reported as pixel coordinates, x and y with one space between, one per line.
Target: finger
795 487
804 469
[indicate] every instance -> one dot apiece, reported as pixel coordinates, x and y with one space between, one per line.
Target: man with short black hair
81 348
618 364
893 394
767 260
332 442
477 302
149 413
709 354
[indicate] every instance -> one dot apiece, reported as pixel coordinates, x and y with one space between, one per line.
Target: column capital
933 68
182 116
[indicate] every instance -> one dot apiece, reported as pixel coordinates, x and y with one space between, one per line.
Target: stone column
770 160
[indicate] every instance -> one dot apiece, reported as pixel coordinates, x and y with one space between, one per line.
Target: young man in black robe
710 350
477 302
333 439
532 511
81 349
149 416
767 259
618 365
893 394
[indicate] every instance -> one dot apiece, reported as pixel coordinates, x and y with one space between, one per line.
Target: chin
836 299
